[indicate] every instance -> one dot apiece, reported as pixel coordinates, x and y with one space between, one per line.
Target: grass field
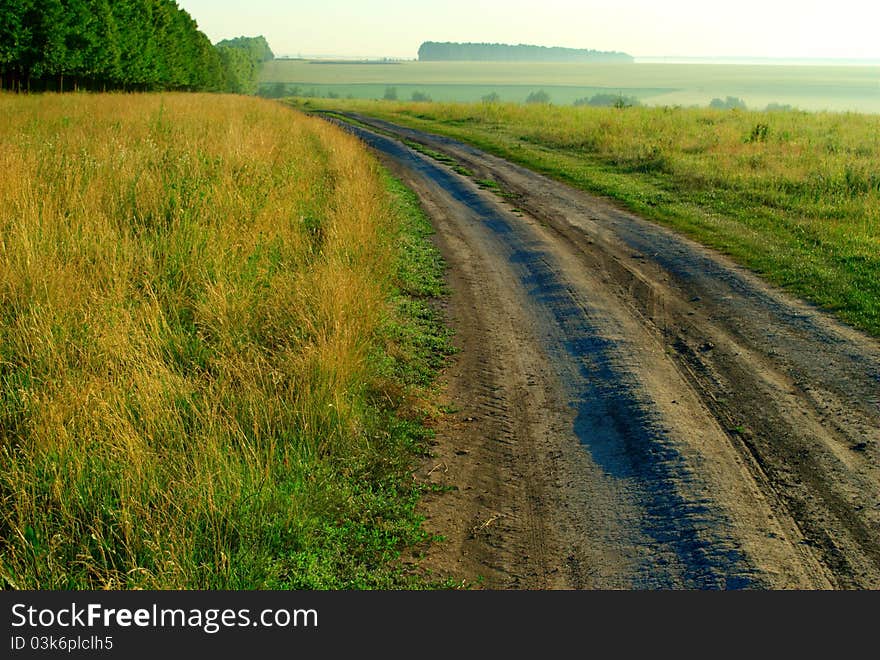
214 348
793 195
837 88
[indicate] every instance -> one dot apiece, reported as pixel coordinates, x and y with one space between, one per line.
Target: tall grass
793 195
195 324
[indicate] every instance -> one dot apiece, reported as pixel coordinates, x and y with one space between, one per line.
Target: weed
758 133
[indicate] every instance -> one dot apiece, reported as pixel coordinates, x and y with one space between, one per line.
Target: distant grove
433 51
62 45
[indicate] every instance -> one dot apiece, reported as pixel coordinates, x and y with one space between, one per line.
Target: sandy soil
632 409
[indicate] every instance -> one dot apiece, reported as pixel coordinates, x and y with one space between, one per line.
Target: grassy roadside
794 196
216 348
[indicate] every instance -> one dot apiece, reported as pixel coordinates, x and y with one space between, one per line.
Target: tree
48 46
435 51
257 47
538 97
778 107
118 44
137 44
210 75
609 101
11 36
94 38
241 59
730 103
238 69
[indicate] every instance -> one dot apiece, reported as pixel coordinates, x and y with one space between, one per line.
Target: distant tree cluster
257 48
609 101
432 51
779 107
730 103
537 98
112 44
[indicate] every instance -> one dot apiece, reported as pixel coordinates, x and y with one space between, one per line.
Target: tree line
433 51
134 45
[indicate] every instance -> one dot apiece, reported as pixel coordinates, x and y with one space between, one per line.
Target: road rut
633 410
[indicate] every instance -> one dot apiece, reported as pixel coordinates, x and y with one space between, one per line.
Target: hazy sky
395 28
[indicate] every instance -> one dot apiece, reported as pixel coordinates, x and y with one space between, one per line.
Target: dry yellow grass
190 290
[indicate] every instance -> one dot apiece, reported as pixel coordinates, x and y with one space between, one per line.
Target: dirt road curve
634 411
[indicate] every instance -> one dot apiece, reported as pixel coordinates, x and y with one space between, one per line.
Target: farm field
214 348
793 195
807 87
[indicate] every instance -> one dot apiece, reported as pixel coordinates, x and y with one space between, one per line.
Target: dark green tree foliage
432 51
242 59
256 47
11 34
240 70
118 44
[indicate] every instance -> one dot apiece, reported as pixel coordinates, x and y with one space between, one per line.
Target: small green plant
758 133
421 97
390 94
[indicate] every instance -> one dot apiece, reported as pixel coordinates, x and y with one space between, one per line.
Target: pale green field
836 88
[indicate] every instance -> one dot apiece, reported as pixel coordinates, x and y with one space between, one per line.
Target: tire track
720 452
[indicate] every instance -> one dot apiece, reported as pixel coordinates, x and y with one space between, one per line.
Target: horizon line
683 58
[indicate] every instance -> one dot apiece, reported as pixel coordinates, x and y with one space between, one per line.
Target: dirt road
633 410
